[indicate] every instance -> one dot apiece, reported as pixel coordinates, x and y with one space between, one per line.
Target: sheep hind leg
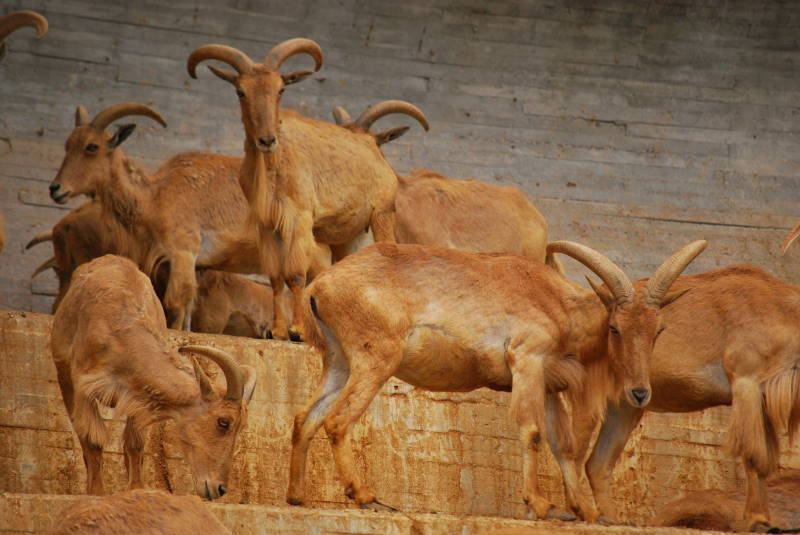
297 284
133 447
181 291
364 383
306 424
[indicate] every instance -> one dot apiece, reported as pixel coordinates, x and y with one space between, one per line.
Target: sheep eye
91 147
281 91
240 93
224 423
613 329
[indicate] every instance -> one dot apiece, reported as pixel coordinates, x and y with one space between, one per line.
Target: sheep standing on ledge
110 347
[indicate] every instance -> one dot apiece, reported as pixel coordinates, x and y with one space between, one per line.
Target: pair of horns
376 111
244 65
619 283
14 21
237 376
117 111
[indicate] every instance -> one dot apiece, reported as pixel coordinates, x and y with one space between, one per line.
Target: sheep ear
672 296
603 293
228 76
249 383
123 132
296 76
206 390
391 134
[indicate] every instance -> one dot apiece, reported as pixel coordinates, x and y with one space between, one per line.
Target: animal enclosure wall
422 452
635 126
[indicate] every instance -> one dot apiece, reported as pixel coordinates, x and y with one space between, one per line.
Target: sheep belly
436 359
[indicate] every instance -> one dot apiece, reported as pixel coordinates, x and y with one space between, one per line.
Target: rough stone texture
423 452
635 125
26 513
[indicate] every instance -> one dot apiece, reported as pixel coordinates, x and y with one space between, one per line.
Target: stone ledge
33 513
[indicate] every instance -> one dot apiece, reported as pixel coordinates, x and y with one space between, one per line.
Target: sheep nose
54 187
640 395
222 490
267 141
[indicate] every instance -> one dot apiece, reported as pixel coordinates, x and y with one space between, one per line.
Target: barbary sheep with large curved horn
306 180
110 347
447 320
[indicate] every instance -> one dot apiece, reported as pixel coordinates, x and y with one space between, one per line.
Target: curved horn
672 267
283 51
47 235
787 241
232 56
375 112
81 116
14 21
124 109
234 376
47 264
340 116
616 280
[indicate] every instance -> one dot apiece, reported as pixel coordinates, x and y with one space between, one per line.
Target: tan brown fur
110 347
448 320
721 511
732 339
181 215
226 302
144 512
306 181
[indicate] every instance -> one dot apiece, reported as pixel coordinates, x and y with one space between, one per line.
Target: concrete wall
636 126
422 452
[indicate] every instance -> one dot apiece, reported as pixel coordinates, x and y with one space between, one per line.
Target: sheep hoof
554 513
295 337
774 529
378 507
270 335
604 520
294 501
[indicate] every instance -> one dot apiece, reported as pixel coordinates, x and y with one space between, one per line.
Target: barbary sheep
307 181
732 339
447 320
110 347
144 512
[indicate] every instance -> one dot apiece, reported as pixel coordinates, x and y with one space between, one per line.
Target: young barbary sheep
110 347
447 320
144 512
306 180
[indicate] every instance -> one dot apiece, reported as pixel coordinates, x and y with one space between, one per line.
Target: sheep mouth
62 198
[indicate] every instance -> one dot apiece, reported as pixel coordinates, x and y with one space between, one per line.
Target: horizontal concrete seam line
693 222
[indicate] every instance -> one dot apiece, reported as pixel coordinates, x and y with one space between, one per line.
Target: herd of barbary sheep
460 291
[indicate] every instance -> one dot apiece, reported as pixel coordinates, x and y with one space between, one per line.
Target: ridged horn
340 115
665 275
14 21
81 116
227 54
47 235
124 109
234 376
790 237
375 112
47 264
616 280
283 51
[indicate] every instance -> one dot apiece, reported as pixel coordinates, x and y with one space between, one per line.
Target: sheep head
375 112
259 86
13 21
208 431
89 149
634 312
